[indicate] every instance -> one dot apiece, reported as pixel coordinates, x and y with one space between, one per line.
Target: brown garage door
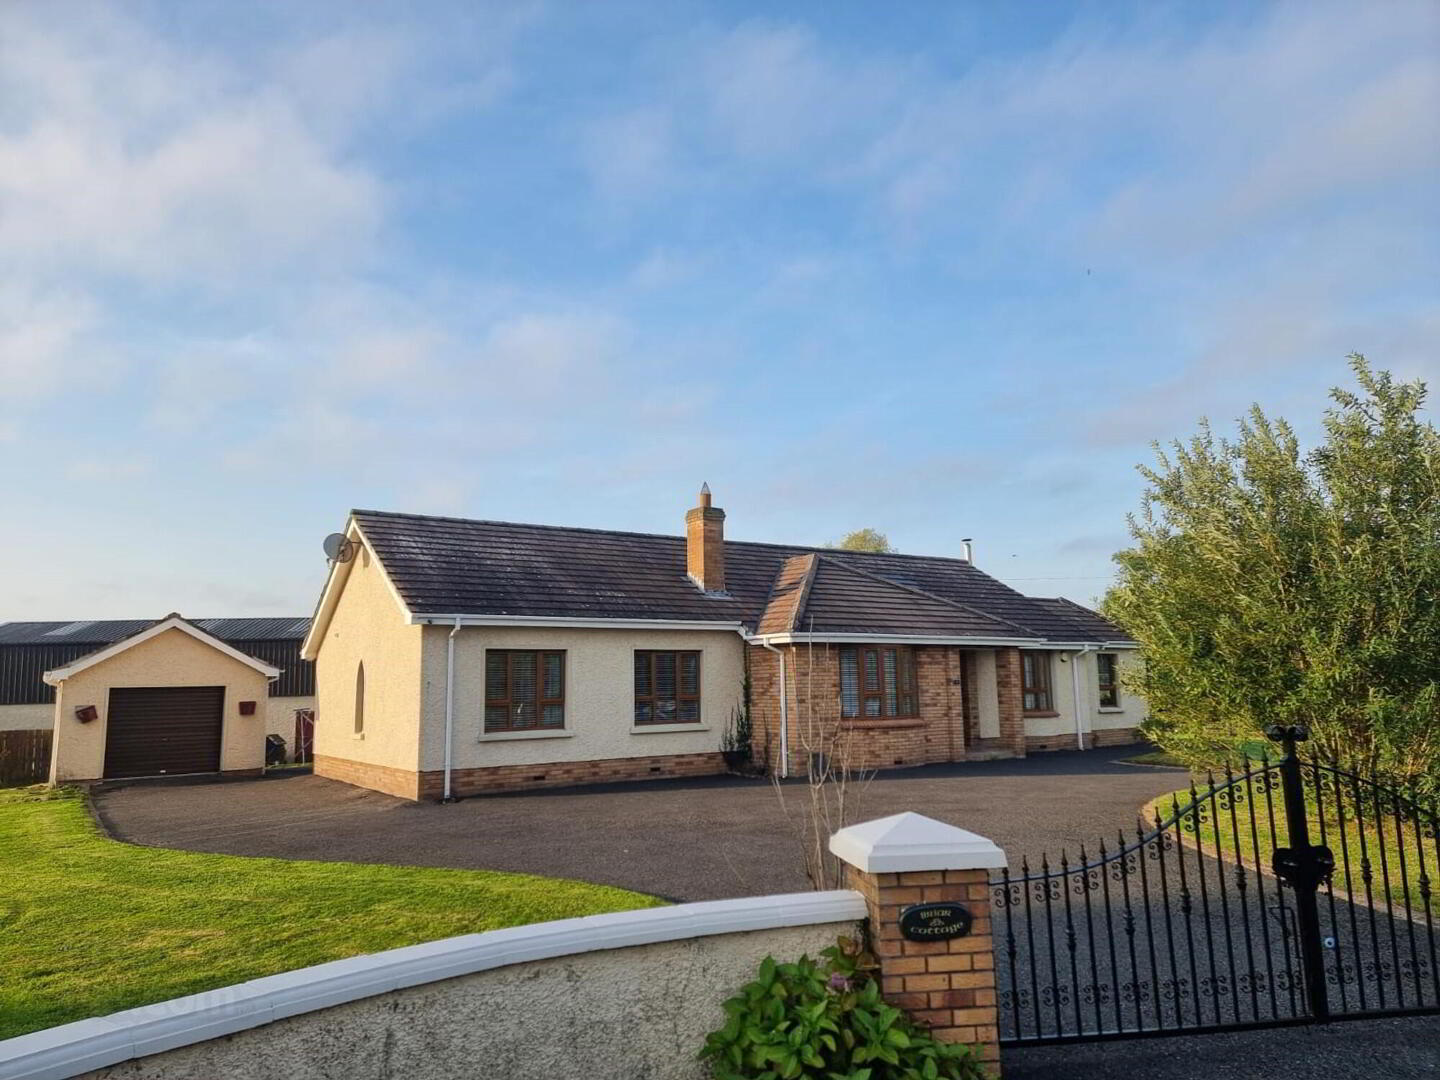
163 730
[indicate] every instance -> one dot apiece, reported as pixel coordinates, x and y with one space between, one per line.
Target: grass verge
1156 757
90 925
1216 836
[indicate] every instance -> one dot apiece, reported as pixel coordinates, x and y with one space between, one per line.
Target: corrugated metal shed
29 649
106 631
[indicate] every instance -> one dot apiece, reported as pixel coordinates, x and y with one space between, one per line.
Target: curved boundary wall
625 996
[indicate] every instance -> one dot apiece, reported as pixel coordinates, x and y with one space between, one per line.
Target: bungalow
457 657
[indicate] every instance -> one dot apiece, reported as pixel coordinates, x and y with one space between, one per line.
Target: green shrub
827 1022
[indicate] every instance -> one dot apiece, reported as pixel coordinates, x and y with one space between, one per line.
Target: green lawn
1156 757
1417 853
89 925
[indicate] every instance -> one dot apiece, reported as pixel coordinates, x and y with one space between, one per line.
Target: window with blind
1108 680
524 690
877 682
1035 682
667 687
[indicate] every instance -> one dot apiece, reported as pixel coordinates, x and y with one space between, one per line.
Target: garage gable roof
173 621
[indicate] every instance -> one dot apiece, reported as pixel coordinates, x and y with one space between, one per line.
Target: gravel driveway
703 839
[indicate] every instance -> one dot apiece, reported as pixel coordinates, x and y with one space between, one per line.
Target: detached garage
171 700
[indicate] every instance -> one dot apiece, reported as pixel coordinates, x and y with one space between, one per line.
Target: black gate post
1303 866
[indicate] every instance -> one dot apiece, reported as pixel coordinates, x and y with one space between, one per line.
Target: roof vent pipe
969 550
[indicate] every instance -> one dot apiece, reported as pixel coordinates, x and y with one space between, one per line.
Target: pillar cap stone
910 841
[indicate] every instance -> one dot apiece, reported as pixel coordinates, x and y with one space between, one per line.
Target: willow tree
864 540
1268 584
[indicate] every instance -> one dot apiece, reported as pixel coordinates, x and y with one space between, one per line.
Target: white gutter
449 705
938 639
584 624
784 709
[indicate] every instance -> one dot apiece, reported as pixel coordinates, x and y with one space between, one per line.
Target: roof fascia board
335 580
541 621
335 585
932 639
56 676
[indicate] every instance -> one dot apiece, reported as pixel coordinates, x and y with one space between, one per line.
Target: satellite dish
339 548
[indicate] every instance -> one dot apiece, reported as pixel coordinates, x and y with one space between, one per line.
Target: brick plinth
500 778
1120 736
1100 737
402 783
947 985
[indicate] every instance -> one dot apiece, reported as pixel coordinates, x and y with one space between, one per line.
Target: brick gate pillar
948 982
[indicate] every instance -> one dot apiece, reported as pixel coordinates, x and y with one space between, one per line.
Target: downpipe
784 712
1075 684
447 796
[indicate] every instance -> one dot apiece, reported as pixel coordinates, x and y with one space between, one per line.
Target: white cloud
628 153
39 334
109 470
773 92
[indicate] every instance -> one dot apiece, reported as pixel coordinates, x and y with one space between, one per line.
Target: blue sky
941 269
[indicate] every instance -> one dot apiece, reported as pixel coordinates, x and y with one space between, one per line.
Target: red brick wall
763 668
1008 689
814 710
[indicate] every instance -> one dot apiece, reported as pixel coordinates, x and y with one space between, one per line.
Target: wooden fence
24 757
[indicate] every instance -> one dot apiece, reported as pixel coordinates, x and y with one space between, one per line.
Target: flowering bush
828 1022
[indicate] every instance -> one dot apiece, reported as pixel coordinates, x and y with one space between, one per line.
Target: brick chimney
705 544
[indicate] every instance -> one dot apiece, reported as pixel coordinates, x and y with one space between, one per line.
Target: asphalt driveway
701 839
722 837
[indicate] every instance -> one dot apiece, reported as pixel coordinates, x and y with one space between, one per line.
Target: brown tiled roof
1089 625
849 599
787 599
457 566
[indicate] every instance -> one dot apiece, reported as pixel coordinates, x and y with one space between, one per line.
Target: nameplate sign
935 922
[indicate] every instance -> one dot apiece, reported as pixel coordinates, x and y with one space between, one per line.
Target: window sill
1041 713
509 736
660 729
1110 709
893 723
358 736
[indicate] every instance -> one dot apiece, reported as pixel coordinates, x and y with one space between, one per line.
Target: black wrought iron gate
1178 929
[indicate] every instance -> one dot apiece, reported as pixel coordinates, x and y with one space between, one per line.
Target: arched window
360 698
